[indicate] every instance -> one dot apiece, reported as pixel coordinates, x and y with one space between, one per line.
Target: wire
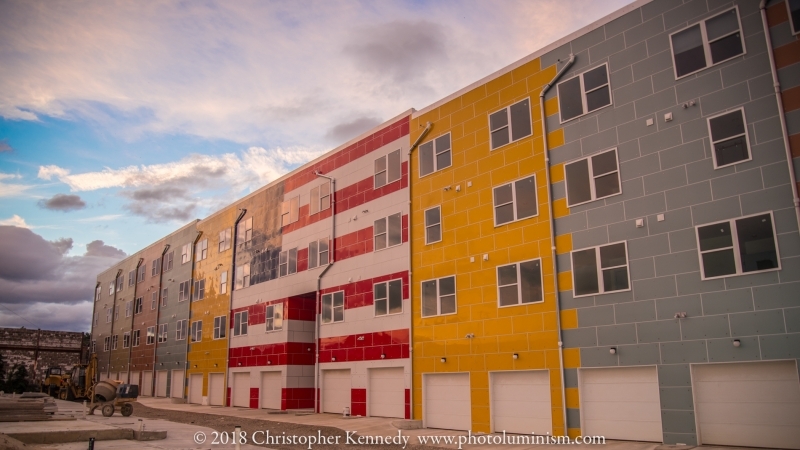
12 312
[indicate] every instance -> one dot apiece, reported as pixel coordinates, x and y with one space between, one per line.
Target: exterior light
383 356
613 350
444 360
737 343
515 356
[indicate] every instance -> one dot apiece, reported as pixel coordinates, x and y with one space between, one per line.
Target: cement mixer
109 394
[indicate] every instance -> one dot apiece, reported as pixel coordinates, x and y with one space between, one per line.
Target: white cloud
102 218
12 189
15 221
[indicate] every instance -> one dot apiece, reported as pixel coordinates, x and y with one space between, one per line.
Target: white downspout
318 306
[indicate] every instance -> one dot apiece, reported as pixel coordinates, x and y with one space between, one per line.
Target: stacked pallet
21 409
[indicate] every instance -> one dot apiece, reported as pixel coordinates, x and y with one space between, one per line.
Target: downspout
113 313
133 320
318 306
229 321
97 287
410 285
158 317
188 317
781 113
553 235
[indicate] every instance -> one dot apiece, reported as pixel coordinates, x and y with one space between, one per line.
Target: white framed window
439 297
290 211
515 201
435 155
730 140
111 289
142 273
136 338
168 261
184 290
97 292
433 225
114 341
162 333
128 309
520 283
223 282
794 15
164 296
287 262
244 232
220 327
320 198
592 178
274 317
181 329
196 331
186 253
388 231
131 277
240 323
584 93
242 276
155 267
120 283
153 300
94 346
108 315
388 297
199 290
333 307
318 253
96 318
387 169
107 343
126 339
138 305
224 240
738 246
601 269
151 336
116 314
201 250
707 43
510 124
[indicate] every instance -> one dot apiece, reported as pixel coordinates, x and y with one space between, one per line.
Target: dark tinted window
526 197
569 99
578 179
756 243
426 158
595 78
584 266
794 12
687 47
520 120
531 282
723 127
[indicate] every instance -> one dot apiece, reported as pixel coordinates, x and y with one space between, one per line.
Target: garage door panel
241 389
746 371
447 401
176 391
147 383
196 389
756 414
635 392
386 393
622 410
336 389
216 391
642 431
161 383
271 390
520 402
777 391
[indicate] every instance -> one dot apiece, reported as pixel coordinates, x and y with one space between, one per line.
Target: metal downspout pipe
133 320
158 317
318 306
553 234
113 313
229 322
188 317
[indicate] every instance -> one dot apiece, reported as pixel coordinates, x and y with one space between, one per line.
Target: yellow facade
469 233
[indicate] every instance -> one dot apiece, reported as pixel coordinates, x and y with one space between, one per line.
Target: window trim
514 200
333 316
704 37
288 203
126 339
317 265
267 317
439 297
592 187
386 218
425 220
199 291
287 252
791 22
225 238
746 137
374 313
186 253
147 339
737 258
583 93
220 325
435 166
244 232
223 282
245 276
246 323
201 252
601 290
386 170
138 305
136 337
195 328
508 116
519 284
181 329
162 335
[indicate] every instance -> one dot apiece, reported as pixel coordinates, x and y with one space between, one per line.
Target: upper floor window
220 326
318 253
287 262
599 270
333 307
201 252
180 329
126 339
128 309
151 336
515 201
106 343
183 290
142 272
388 297
274 317
199 290
707 43
168 261
738 246
196 332
136 337
108 315
96 318
388 231
794 15
224 240
244 232
584 93
153 300
592 178
729 138
120 283
186 253
97 292
435 155
138 305
320 198
223 282
131 277
162 332
387 169
510 124
439 297
164 294
520 283
155 267
111 289
290 211
240 323
242 276
114 340
433 225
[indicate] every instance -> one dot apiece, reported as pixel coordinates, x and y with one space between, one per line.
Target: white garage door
748 404
147 384
241 389
103 376
114 376
176 390
521 402
387 393
216 389
161 383
447 401
621 403
135 379
123 377
196 388
335 390
271 390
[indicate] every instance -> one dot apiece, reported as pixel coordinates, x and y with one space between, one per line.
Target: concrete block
675 263
706 327
693 88
745 69
560 53
559 190
715 211
683 352
623 23
628 150
570 223
789 245
656 102
664 79
723 99
566 152
628 56
792 124
608 47
790 270
577 129
630 189
665 180
638 311
780 346
634 91
674 421
648 29
778 197
660 331
635 128
738 183
590 237
676 219
761 87
695 129
754 279
676 398
659 60
579 337
601 141
682 154
616 334
654 288
668 138
792 316
564 261
569 302
769 130
597 357
724 302
757 322
606 215
685 14
692 194
761 109
641 269
621 78
573 417
639 167
598 315
683 240
775 174
613 298
649 246
666 308
638 354
674 375
645 206
722 350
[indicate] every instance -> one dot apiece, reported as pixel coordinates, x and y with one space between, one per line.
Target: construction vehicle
54 379
107 395
77 382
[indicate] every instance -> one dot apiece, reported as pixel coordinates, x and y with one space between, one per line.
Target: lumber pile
20 409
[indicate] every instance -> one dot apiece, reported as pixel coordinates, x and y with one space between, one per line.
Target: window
388 297
153 300
599 270
138 305
515 201
388 231
738 246
320 198
116 314
151 336
96 318
135 338
433 225
584 93
183 290
106 343
333 307
155 267
224 240
168 261
510 124
244 232
287 262
164 295
387 169
290 211
439 297
434 155
162 333
97 292
180 330
114 341
128 309
111 289
197 331
108 315
94 346
592 178
131 277
709 42
186 253
220 325
729 138
126 339
318 253
794 15
201 250
120 283
142 273
274 317
199 290
242 276
519 283
240 323
223 282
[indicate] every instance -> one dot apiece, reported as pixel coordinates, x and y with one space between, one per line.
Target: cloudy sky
120 121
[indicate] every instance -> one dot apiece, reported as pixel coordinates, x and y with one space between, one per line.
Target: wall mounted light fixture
737 343
444 360
613 350
515 356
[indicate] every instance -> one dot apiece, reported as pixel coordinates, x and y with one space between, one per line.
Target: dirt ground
226 424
